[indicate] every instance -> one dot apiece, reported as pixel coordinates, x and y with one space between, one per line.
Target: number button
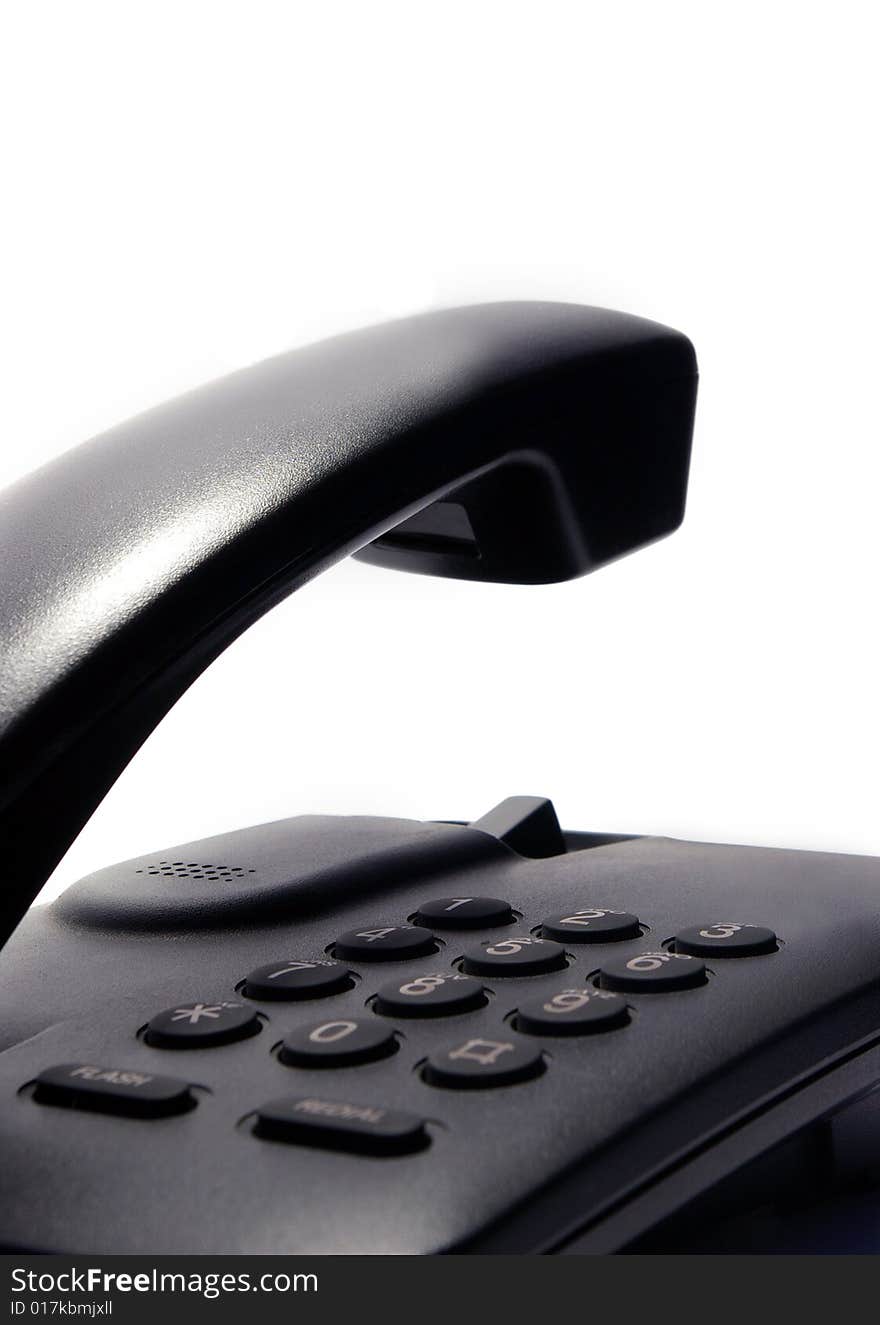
653 972
573 1012
341 1043
725 940
464 912
438 995
592 924
201 1025
293 980
523 955
393 943
478 1063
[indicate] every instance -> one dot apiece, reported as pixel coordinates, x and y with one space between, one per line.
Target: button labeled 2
592 924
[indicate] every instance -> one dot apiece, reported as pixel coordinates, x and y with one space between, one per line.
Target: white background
192 186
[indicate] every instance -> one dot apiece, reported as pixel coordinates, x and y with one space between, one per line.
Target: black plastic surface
545 1163
513 442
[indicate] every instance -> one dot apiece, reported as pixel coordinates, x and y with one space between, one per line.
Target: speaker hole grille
194 869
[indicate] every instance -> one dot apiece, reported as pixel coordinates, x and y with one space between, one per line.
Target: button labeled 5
522 955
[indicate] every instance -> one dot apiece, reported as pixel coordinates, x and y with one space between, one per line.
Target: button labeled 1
465 912
653 972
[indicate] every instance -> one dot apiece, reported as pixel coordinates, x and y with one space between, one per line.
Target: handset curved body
525 442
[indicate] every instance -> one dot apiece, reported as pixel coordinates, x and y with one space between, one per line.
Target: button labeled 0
344 1042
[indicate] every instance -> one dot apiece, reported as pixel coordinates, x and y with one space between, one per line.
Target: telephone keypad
506 1051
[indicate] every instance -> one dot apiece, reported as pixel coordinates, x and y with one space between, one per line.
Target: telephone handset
364 1034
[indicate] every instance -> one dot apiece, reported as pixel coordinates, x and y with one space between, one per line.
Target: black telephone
374 1035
